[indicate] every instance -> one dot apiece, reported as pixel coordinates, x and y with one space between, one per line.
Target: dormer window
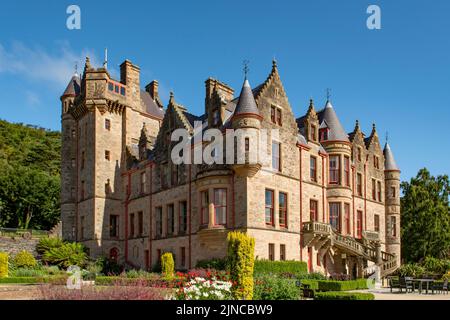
323 134
313 133
273 111
279 118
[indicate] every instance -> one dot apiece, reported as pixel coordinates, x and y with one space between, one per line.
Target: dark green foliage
29 176
279 267
217 264
425 217
269 287
45 244
69 254
343 296
436 266
12 280
331 285
108 266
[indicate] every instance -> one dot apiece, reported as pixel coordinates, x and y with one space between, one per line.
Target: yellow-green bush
3 265
241 261
167 265
24 259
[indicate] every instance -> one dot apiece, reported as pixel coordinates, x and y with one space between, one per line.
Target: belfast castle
328 197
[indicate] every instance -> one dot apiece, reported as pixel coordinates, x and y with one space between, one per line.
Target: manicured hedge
32 280
3 264
278 267
18 280
122 281
330 295
313 284
218 264
331 285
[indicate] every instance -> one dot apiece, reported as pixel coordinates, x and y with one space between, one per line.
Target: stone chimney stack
130 76
152 89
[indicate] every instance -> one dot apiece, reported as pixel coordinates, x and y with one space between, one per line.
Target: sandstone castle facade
328 197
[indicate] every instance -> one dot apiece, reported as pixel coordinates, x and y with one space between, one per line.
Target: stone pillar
211 215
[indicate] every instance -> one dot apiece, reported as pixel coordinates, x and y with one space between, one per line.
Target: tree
425 217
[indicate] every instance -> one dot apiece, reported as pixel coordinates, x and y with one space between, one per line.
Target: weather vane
246 68
328 94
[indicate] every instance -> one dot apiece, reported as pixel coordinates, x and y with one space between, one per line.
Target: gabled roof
246 102
389 161
74 87
328 115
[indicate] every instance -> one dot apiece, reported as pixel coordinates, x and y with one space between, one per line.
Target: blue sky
397 77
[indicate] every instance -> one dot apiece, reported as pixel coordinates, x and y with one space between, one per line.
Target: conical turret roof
246 103
328 115
389 161
73 88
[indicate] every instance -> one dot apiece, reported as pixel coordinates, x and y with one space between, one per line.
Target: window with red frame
279 117
313 210
374 190
82 190
335 215
359 222
334 170
313 168
204 204
347 171
269 207
220 207
140 223
273 114
347 218
359 184
376 223
113 226
323 134
143 182
282 210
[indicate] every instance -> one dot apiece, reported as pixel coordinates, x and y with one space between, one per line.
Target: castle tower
68 159
247 121
392 196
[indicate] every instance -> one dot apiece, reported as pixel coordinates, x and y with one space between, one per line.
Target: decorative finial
246 68
311 103
171 94
274 62
357 125
373 126
88 62
328 94
105 63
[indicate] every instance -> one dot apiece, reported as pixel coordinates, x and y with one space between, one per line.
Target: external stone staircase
324 238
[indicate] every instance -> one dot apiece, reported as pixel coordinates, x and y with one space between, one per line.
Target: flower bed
204 289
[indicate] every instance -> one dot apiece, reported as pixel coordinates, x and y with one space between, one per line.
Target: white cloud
38 64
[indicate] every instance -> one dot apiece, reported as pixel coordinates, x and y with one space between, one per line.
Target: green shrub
267 287
343 296
436 266
167 265
45 244
24 259
69 254
217 264
26 272
411 270
3 265
108 267
278 267
313 284
14 280
240 261
332 285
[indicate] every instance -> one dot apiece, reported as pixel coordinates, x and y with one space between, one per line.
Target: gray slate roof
337 131
150 105
389 161
73 88
246 103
